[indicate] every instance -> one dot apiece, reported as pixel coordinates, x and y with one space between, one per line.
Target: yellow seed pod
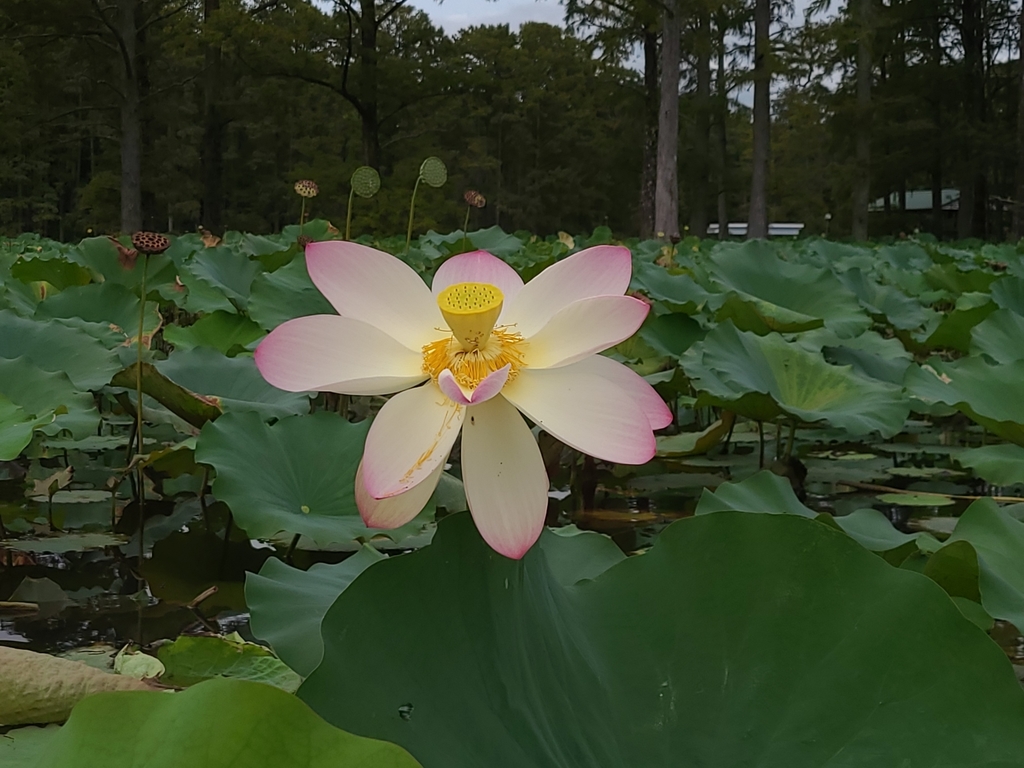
471 310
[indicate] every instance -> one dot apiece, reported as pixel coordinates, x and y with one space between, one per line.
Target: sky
453 15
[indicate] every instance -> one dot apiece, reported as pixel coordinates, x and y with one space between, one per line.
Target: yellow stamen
471 310
470 367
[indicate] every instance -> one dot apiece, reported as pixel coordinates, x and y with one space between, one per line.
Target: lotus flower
484 347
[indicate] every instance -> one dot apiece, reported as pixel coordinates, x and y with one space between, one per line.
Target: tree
864 14
666 198
757 222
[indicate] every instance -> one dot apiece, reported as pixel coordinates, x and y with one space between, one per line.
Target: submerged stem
792 439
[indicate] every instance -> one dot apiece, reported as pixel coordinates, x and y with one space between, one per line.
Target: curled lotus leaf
763 377
1000 336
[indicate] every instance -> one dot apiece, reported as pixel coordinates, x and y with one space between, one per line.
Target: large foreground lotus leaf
769 294
992 395
286 604
216 724
297 476
737 639
234 382
764 376
1000 336
113 305
53 346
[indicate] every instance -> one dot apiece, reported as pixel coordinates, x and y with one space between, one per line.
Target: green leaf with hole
764 642
216 724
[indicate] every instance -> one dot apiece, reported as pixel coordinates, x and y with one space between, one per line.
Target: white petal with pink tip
603 270
585 411
375 287
506 483
479 267
584 328
411 435
485 390
329 353
634 386
397 510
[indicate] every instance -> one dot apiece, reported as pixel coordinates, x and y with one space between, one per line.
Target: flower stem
412 208
302 216
465 225
138 410
348 215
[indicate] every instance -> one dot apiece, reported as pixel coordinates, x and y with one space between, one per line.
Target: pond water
89 587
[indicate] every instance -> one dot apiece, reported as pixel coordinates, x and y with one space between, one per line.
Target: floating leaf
191 660
915 499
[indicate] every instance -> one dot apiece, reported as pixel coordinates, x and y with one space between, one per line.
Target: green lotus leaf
110 304
53 346
957 279
16 428
916 499
671 335
1008 293
1000 336
954 330
191 660
763 377
234 382
100 256
992 395
680 293
870 354
764 643
998 540
228 270
1001 464
44 393
296 476
286 604
286 294
874 531
216 724
228 333
900 310
768 294
762 492
22 747
52 268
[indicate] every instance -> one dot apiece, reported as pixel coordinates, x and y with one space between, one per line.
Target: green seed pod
434 172
365 181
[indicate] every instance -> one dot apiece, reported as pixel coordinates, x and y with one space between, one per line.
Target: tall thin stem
138 409
302 216
465 226
412 209
348 216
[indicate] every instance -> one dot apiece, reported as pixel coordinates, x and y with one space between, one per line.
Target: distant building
919 200
739 229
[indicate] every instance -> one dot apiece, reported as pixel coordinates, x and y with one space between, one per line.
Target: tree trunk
131 120
649 172
368 82
212 158
702 124
722 145
1018 202
666 199
862 178
757 222
971 176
